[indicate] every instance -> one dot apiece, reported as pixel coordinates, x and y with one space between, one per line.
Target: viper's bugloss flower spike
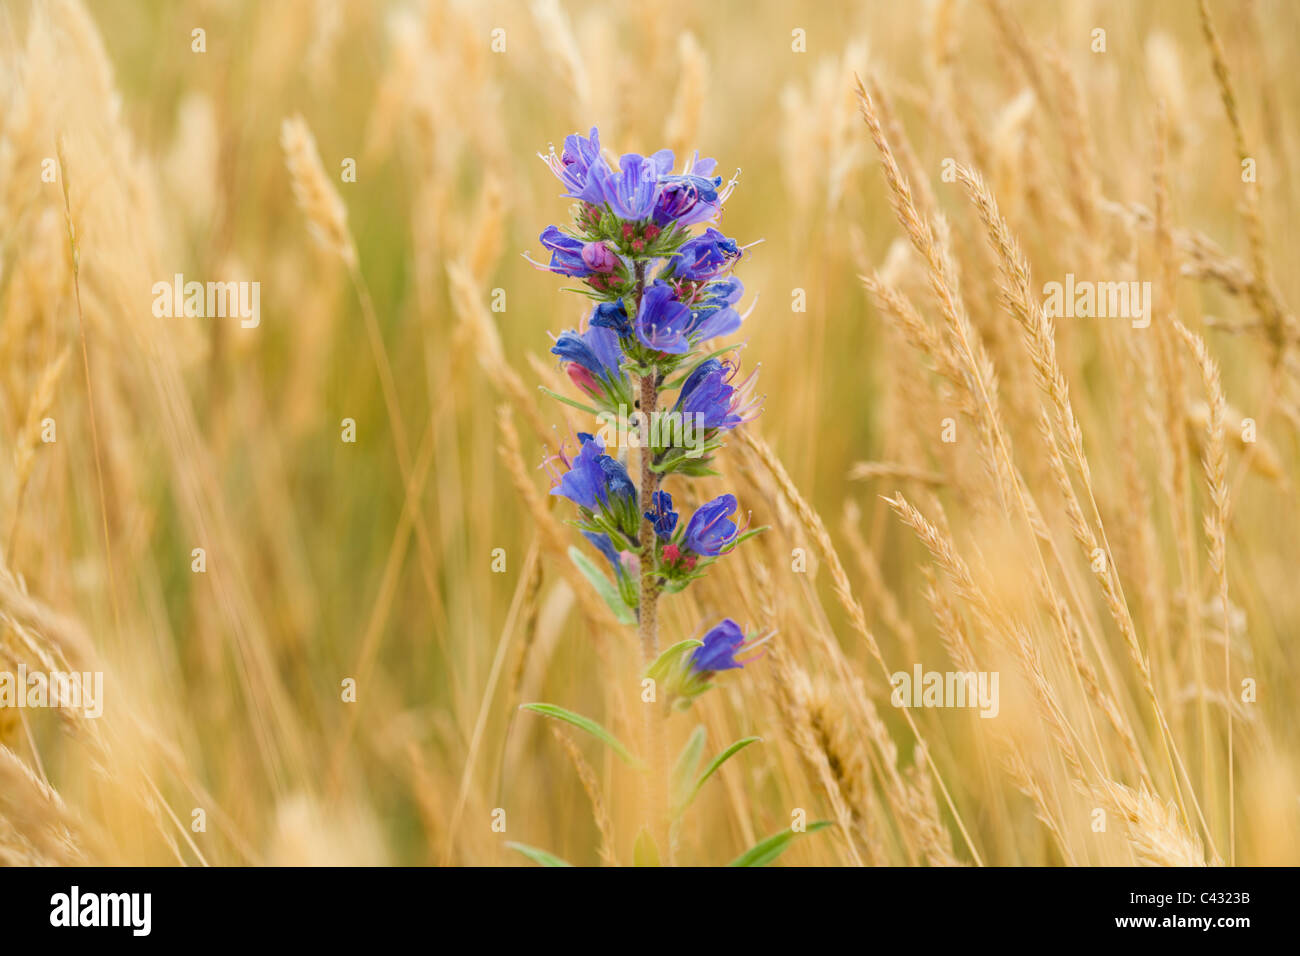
661 292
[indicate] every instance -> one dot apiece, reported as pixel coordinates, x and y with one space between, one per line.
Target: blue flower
714 315
624 563
566 253
662 322
594 480
705 257
721 644
605 545
572 166
708 392
612 315
618 485
584 482
631 191
720 294
711 532
663 517
596 350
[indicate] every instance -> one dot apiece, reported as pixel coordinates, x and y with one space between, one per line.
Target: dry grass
1105 529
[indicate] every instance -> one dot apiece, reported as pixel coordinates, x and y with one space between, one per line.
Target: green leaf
540 857
718 761
609 594
697 468
568 401
584 723
644 851
686 458
664 663
765 851
687 761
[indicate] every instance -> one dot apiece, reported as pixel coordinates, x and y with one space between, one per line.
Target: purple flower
687 200
572 166
703 167
631 191
662 322
721 644
711 532
708 392
663 517
612 315
663 162
705 257
566 253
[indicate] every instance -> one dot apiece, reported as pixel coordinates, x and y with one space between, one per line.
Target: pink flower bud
583 378
599 257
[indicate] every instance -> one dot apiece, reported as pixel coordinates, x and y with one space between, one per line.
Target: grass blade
540 857
765 851
718 761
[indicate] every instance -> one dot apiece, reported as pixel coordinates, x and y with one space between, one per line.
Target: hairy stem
657 782
656 791
647 618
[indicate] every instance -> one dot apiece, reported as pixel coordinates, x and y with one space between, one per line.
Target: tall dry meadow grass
317 565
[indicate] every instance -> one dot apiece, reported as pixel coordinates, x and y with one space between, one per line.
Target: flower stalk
647 615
